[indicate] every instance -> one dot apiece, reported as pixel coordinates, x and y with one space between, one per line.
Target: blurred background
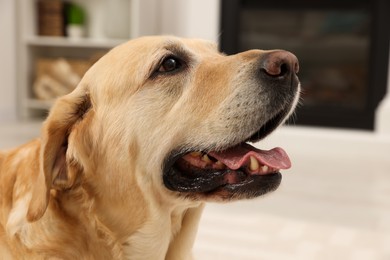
335 201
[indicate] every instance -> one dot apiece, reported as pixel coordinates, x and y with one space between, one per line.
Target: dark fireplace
342 46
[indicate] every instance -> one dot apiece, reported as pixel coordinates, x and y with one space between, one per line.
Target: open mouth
239 171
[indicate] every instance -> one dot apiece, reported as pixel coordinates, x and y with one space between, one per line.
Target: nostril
284 69
276 71
279 63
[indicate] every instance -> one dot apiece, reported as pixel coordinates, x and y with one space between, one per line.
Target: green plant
75 14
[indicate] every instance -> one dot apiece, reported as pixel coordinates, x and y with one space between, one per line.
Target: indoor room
334 200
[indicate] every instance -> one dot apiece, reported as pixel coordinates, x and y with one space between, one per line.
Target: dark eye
170 64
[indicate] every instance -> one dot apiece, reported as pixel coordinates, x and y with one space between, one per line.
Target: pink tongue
238 156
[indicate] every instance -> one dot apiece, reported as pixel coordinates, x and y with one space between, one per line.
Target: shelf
72 43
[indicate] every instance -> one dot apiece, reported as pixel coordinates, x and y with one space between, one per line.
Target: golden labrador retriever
155 128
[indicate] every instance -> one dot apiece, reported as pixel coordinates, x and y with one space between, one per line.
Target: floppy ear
53 166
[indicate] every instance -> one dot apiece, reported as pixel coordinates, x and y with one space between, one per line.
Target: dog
125 163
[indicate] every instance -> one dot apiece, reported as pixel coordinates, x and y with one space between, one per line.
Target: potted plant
75 21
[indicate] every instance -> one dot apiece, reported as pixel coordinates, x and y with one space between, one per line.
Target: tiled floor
334 204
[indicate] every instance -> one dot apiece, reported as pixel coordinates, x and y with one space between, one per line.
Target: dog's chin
236 171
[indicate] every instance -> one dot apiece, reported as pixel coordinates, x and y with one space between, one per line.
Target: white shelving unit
142 19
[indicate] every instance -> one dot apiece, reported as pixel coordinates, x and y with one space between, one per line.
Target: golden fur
90 187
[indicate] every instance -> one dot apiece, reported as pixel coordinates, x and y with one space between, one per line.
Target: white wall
7 61
190 18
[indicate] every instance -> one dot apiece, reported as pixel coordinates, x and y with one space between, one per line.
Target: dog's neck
167 235
163 230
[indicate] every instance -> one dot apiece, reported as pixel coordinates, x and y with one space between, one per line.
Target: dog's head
163 117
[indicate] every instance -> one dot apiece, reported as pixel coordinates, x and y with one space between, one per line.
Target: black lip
256 185
213 182
206 182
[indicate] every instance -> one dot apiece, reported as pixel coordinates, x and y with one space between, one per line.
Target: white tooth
206 158
254 164
264 168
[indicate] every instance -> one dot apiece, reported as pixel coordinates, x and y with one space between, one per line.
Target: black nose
279 64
